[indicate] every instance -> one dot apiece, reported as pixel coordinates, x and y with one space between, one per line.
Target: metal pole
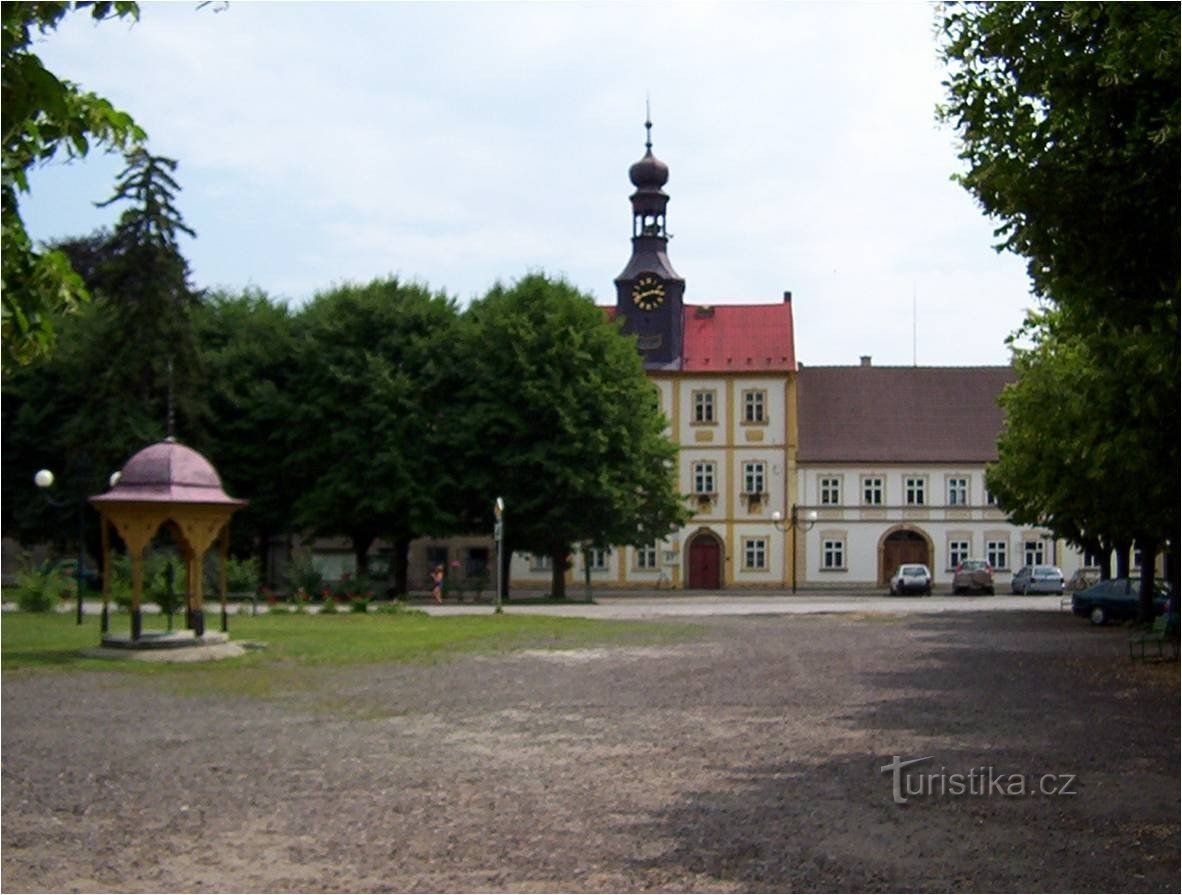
793 523
498 535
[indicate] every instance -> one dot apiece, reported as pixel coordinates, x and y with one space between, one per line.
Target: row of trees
1068 116
374 411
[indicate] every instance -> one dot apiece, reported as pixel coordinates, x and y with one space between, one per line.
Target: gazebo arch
167 484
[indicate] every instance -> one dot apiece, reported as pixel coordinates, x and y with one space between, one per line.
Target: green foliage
164 582
243 576
1068 116
39 588
302 575
43 115
366 450
553 412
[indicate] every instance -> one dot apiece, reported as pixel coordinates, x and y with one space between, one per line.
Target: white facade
859 507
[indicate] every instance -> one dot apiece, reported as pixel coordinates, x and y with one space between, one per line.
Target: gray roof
872 414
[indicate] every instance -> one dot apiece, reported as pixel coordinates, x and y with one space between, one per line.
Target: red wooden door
705 563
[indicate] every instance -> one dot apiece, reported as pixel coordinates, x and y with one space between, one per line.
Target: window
646 557
830 492
755 553
704 477
915 487
997 554
990 498
1090 559
958 552
704 407
754 406
833 553
1032 553
597 558
872 491
539 563
958 492
753 478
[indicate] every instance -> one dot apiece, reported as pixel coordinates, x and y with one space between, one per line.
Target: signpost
498 533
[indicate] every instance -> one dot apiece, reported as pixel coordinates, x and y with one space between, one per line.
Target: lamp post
44 480
795 522
498 536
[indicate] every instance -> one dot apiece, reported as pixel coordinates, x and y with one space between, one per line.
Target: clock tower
649 292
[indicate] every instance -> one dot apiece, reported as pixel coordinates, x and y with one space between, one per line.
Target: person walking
437 584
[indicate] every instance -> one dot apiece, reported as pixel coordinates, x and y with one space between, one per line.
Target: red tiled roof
899 414
728 338
724 338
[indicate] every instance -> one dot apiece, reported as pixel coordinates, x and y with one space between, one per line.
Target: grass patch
297 646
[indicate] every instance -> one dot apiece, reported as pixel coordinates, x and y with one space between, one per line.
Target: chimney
787 298
865 360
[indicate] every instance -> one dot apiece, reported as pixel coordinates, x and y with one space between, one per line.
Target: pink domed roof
168 472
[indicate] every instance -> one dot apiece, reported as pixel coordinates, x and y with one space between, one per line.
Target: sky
461 144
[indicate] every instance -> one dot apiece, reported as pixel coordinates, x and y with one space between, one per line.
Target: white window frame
754 477
829 491
704 407
705 480
958 551
997 554
647 558
755 554
915 490
540 562
755 406
1033 552
598 559
873 490
833 554
958 491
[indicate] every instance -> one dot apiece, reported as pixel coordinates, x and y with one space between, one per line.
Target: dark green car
1116 600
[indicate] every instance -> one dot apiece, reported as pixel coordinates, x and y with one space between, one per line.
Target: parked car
911 578
1116 599
973 574
1037 580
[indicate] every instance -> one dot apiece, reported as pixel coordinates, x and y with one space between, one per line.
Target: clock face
649 292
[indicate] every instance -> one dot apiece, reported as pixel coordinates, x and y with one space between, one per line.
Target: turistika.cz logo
982 781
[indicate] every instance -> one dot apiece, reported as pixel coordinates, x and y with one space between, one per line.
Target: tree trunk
506 564
1122 559
558 567
1105 555
1145 611
399 564
361 544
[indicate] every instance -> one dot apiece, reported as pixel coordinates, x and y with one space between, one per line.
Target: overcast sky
459 144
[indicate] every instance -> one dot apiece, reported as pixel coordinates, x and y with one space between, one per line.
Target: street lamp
795 522
498 536
44 480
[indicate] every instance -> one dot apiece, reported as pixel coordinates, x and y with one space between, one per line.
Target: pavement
651 605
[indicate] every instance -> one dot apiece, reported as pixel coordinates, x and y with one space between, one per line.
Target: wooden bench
1164 632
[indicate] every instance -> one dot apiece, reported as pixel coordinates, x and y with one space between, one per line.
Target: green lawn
294 643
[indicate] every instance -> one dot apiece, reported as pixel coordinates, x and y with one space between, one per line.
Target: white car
911 578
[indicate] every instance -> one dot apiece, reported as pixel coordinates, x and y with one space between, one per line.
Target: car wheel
989 590
1098 616
927 592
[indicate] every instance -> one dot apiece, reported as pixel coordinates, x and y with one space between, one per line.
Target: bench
1163 632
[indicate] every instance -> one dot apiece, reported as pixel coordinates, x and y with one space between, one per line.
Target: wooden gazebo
167 485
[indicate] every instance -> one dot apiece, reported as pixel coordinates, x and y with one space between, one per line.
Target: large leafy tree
42 117
366 446
1068 116
555 414
248 352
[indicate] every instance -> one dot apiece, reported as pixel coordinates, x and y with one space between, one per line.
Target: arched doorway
900 546
705 562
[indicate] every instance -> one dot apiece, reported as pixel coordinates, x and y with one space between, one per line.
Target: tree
248 355
366 447
43 115
1068 117
555 414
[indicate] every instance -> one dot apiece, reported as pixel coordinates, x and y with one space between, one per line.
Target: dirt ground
746 759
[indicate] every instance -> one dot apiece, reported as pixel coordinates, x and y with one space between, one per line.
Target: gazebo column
196 614
224 543
136 527
105 534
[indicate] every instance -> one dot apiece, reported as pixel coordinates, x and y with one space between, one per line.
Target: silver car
1037 580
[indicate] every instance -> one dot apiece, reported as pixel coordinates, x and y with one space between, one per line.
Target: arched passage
899 545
